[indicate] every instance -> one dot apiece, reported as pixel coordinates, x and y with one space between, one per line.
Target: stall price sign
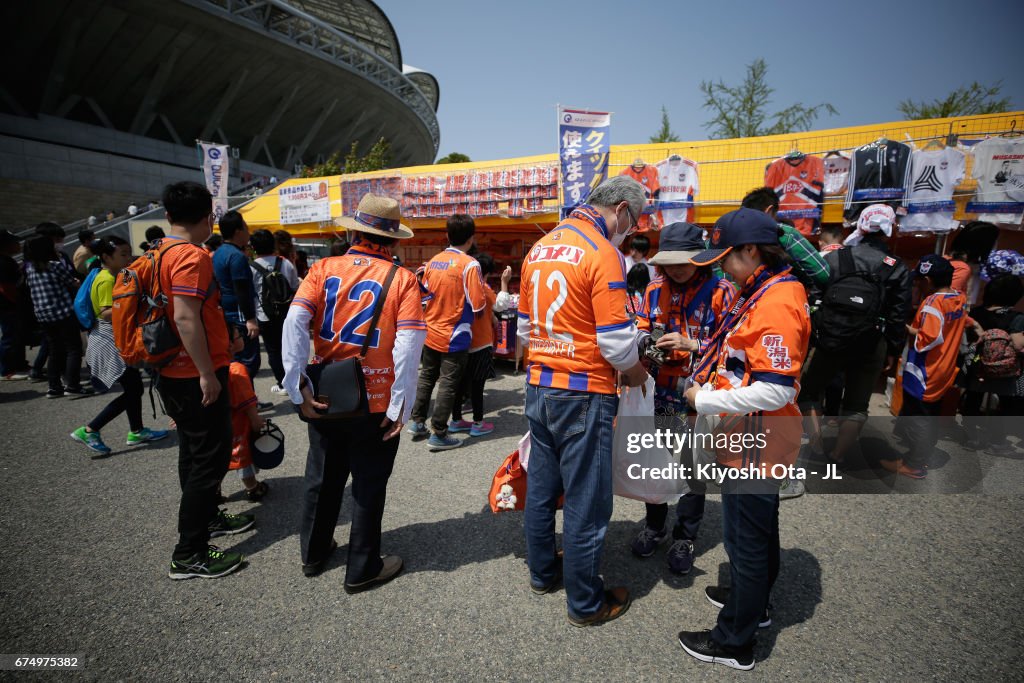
304 203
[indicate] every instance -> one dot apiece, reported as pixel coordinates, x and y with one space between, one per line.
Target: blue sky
503 66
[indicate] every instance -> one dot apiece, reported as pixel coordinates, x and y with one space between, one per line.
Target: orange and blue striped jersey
454 294
483 323
341 293
931 363
573 307
693 309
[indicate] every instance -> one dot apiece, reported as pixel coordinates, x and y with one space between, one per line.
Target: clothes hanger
833 153
1013 132
795 154
934 143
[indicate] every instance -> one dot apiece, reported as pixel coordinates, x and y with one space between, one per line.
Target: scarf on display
753 289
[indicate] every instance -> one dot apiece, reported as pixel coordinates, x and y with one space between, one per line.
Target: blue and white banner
215 169
584 138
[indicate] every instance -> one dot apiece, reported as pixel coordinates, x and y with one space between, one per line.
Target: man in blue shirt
237 298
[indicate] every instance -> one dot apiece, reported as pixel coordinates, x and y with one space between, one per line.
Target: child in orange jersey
245 420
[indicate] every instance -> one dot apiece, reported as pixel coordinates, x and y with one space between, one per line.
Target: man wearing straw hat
339 297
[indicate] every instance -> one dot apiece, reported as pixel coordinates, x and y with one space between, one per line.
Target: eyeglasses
633 223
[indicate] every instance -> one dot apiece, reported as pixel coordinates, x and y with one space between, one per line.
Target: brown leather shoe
616 602
392 567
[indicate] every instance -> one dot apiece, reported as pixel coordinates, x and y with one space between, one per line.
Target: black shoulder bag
340 384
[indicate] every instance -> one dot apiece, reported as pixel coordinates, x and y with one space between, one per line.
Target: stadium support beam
230 93
100 114
296 153
346 133
65 52
9 100
275 117
145 115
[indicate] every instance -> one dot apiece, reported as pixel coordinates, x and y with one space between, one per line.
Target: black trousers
204 451
128 401
272 331
689 515
65 342
921 427
479 369
337 449
445 370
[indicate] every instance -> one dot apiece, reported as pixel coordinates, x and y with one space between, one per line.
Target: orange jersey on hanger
648 177
800 187
455 293
572 289
341 293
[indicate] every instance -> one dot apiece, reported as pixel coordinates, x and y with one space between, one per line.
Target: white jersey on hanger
837 172
679 184
934 174
999 170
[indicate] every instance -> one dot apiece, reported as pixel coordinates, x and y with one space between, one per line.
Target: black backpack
276 294
850 308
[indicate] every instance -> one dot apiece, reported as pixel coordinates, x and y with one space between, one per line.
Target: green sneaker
209 565
225 524
92 440
145 435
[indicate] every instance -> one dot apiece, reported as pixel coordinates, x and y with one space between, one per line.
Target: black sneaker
78 391
225 524
55 393
700 645
209 565
264 406
719 595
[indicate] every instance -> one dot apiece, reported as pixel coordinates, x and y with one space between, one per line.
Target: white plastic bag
524 451
642 471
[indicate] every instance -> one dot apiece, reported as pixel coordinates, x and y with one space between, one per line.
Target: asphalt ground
872 587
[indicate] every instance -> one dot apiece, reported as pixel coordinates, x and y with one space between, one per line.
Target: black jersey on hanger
878 173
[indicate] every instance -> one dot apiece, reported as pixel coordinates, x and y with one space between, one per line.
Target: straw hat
377 215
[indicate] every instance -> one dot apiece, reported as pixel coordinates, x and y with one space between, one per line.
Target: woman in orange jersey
678 312
750 368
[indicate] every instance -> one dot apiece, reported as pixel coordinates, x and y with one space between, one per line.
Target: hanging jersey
800 185
679 185
934 174
930 366
455 293
648 177
837 171
483 324
999 170
242 396
878 174
341 293
694 310
572 294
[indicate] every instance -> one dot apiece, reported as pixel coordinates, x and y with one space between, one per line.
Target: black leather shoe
314 568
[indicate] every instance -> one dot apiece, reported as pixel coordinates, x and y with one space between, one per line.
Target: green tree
964 101
377 159
742 111
664 133
332 166
453 158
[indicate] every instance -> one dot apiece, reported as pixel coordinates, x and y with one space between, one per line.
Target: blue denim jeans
750 529
571 452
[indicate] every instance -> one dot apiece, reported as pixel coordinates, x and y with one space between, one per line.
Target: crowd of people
746 318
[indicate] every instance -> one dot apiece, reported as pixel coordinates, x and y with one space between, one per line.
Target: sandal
257 492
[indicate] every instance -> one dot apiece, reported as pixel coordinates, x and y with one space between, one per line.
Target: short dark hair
833 230
340 247
154 233
1003 290
40 250
285 244
230 223
638 278
461 228
641 243
379 240
773 255
51 230
262 242
939 280
85 236
106 246
486 262
214 242
760 199
187 202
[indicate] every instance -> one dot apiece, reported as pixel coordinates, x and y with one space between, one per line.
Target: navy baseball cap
933 265
734 229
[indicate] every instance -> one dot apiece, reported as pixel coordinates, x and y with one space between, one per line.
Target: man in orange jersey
573 319
339 296
194 385
455 296
931 362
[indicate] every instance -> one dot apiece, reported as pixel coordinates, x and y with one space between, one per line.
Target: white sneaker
792 488
13 376
277 389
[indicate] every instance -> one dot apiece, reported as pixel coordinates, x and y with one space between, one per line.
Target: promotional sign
583 142
215 169
305 203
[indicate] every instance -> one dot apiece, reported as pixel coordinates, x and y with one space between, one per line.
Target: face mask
617 239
